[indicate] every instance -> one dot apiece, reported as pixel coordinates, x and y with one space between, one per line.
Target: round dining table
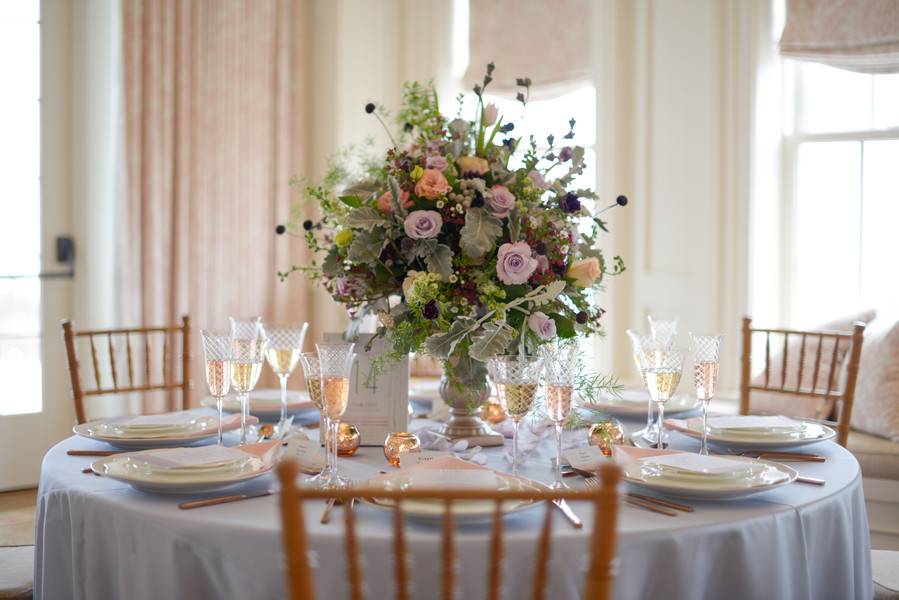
97 538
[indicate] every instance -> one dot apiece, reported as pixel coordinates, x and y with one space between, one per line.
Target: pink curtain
215 123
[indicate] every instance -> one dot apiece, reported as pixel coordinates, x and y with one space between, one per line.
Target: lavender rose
436 162
538 180
501 202
542 325
423 224
514 263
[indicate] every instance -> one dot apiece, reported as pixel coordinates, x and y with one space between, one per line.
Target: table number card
377 405
585 459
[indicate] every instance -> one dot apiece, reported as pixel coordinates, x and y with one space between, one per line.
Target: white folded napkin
697 463
770 423
203 456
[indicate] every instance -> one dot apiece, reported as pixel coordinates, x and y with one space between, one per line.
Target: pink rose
423 224
490 114
501 202
514 263
385 205
432 185
436 162
472 164
538 180
542 325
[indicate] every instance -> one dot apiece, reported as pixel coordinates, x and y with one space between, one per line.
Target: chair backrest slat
597 584
831 391
118 385
352 556
449 556
542 563
399 551
496 553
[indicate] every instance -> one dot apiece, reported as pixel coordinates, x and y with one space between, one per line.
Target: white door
35 403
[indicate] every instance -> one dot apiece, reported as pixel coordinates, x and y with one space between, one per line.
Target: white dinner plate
810 433
633 402
465 511
265 404
767 476
130 469
104 430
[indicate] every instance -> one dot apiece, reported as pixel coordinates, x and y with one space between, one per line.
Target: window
20 228
841 170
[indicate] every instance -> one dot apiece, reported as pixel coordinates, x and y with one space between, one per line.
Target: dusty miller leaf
480 232
549 292
493 340
424 248
366 246
365 218
441 345
441 261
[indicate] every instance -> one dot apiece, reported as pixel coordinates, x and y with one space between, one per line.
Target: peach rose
584 272
432 185
472 164
385 205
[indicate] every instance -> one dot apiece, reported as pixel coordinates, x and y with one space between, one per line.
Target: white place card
754 422
378 405
687 461
589 458
309 454
410 459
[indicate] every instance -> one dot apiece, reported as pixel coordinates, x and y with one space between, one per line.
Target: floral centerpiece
465 241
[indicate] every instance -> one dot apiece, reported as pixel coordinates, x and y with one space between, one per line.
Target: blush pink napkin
267 451
683 425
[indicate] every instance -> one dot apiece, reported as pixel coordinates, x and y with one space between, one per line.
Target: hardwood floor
17 518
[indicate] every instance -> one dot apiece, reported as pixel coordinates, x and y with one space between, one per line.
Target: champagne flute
560 363
335 364
312 371
663 332
641 343
516 379
663 370
706 360
285 342
217 352
248 344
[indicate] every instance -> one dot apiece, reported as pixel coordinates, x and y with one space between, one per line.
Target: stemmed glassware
662 369
560 364
640 344
217 352
313 373
335 365
248 344
706 360
663 332
285 342
516 379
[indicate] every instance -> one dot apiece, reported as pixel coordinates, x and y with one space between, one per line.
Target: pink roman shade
856 35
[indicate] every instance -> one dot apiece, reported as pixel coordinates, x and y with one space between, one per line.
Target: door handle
65 254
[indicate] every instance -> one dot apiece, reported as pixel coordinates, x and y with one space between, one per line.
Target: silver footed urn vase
464 388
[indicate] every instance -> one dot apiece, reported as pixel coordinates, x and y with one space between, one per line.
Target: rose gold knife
563 506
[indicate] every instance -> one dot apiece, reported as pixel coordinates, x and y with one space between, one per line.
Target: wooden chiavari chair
829 390
121 385
600 574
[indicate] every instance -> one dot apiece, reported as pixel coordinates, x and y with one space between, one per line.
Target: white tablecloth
97 538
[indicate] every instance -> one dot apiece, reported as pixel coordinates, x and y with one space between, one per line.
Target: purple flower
436 162
537 178
570 203
514 263
430 311
581 317
423 224
501 201
565 154
542 325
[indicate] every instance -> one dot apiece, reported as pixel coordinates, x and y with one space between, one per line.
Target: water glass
662 369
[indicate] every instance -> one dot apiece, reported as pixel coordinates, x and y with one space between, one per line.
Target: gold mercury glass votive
398 443
493 412
605 434
348 439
